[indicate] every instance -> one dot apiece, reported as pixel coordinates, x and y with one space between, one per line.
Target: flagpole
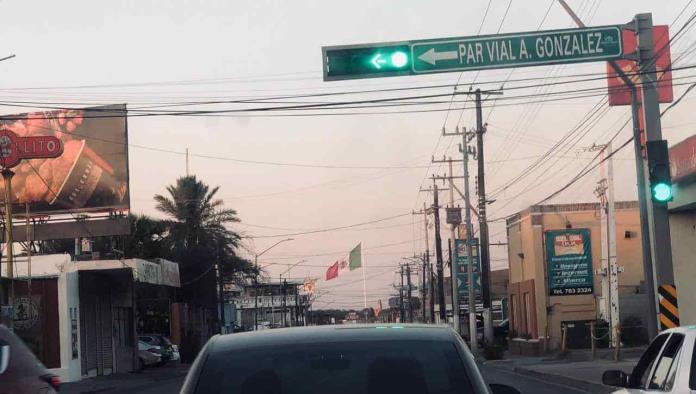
364 284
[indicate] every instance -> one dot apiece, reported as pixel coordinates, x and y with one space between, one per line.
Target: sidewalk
156 380
576 369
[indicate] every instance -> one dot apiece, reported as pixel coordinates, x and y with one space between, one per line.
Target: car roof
333 333
687 330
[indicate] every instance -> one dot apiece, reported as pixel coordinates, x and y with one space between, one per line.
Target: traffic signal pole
644 194
658 217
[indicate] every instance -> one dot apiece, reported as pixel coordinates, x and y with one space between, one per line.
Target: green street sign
472 53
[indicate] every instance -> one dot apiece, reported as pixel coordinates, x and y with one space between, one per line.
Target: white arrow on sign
431 57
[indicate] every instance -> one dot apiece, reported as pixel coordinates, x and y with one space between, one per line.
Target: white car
667 366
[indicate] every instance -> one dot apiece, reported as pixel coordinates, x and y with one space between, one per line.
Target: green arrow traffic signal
364 62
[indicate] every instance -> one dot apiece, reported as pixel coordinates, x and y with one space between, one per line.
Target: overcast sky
227 50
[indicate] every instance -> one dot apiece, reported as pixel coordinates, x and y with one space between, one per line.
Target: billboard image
91 173
569 260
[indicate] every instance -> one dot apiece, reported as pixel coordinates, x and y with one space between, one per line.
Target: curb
581 384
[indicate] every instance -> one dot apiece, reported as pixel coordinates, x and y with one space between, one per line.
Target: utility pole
438 256
610 284
410 304
464 149
187 162
401 295
483 224
426 261
221 289
422 289
453 226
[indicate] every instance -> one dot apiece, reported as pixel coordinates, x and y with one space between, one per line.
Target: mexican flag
355 257
332 272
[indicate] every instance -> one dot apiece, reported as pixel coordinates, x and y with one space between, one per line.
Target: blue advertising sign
462 260
569 262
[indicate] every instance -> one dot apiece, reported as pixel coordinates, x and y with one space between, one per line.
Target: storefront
80 318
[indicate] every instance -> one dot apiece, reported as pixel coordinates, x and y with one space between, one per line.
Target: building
682 222
82 318
555 262
277 304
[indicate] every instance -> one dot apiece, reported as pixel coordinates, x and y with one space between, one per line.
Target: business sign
472 53
569 262
76 160
462 260
619 93
14 148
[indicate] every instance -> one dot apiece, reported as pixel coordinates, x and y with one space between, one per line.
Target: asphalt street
170 379
525 384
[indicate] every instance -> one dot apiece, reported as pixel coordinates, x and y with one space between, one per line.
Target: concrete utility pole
438 256
453 226
402 313
422 289
610 271
464 148
221 289
426 264
658 217
410 304
483 224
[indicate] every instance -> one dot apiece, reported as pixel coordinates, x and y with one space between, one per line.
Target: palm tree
197 229
197 218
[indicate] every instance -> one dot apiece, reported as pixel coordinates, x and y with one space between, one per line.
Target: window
665 362
368 367
639 376
672 375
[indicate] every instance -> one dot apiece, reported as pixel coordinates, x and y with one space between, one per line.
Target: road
170 379
525 384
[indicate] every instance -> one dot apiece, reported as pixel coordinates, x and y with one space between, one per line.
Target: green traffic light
399 59
662 192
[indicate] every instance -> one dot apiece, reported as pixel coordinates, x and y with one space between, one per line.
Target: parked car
338 359
148 355
163 342
20 371
666 366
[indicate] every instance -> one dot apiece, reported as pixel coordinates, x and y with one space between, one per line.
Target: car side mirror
4 357
503 389
615 378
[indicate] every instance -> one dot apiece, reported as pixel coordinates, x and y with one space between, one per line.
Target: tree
199 237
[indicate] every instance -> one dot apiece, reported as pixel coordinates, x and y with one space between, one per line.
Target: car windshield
365 367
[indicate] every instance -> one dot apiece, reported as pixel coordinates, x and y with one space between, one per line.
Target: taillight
53 380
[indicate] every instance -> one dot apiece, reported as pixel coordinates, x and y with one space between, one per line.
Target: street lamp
256 280
285 297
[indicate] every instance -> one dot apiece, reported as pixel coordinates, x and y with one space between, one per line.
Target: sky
309 172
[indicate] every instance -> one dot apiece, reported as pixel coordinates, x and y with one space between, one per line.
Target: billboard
462 259
569 262
619 94
90 175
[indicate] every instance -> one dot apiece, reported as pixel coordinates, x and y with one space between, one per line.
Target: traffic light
658 165
363 62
